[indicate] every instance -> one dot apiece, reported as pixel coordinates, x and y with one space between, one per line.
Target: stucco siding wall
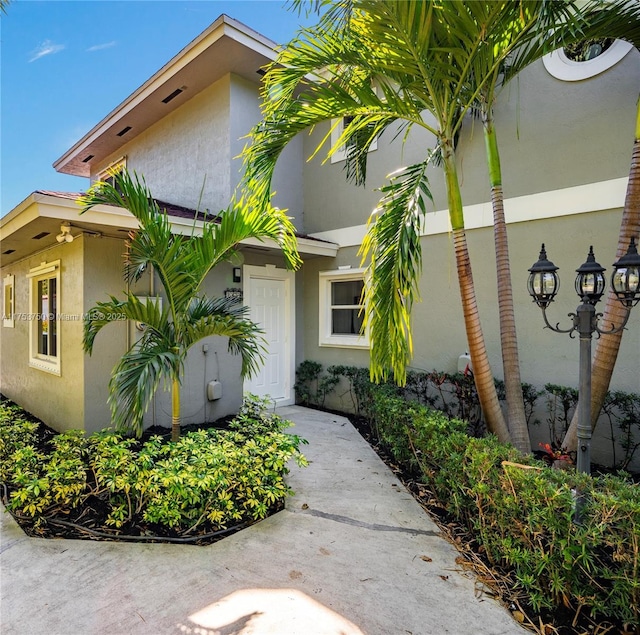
438 327
287 179
188 152
552 134
103 277
54 399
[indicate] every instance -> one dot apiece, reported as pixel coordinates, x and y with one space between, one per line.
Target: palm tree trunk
482 374
175 409
607 348
516 417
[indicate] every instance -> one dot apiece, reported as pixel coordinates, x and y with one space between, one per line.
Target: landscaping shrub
208 480
455 395
522 512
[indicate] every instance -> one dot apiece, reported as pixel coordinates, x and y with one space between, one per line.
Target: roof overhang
227 46
33 226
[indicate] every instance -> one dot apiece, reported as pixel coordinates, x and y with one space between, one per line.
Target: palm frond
242 221
136 378
393 246
226 318
114 311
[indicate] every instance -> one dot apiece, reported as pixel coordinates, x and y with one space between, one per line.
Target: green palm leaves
385 63
185 315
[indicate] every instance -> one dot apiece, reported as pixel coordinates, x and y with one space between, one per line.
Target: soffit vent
172 96
87 158
9 251
123 131
40 235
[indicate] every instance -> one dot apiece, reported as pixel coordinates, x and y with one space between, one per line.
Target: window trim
337 128
116 166
8 312
44 271
326 337
561 67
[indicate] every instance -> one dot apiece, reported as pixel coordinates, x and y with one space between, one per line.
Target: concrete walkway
351 554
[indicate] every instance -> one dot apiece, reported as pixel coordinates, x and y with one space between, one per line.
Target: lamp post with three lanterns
590 285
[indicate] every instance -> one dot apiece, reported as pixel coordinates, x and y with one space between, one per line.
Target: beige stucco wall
90 270
287 178
438 327
192 156
187 152
55 399
102 266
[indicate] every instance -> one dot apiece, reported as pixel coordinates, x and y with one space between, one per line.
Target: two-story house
566 132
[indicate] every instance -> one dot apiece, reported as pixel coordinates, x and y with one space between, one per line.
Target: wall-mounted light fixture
237 274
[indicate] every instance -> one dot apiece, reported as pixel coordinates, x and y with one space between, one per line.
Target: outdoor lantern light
590 281
543 280
625 279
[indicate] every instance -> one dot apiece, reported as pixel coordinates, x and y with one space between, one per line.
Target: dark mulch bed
490 580
88 521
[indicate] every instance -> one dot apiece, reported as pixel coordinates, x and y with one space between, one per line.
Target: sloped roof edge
79 158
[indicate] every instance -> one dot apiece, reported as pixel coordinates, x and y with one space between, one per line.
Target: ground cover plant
512 517
209 483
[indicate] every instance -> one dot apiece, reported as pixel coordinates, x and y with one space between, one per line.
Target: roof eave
72 163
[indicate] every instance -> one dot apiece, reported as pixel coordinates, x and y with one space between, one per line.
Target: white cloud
100 47
46 48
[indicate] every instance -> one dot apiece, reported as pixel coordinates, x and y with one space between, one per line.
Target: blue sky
67 64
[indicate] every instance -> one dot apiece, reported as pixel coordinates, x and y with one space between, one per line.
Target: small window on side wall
8 307
108 174
44 311
338 128
342 309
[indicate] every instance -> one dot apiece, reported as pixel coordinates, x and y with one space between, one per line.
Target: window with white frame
108 174
342 309
337 129
44 305
8 307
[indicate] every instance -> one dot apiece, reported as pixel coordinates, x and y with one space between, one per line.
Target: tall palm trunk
482 374
516 418
175 409
608 345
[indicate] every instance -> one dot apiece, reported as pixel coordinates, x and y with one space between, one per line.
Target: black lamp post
590 284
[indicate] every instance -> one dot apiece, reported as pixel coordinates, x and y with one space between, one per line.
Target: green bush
523 512
209 478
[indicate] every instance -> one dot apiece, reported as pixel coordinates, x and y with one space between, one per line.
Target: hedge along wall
522 513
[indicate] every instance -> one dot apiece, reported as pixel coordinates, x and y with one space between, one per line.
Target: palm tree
607 348
187 316
556 24
382 62
433 56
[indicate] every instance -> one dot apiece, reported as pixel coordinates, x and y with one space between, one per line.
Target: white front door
269 295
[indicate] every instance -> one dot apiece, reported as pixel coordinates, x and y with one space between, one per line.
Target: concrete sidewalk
351 554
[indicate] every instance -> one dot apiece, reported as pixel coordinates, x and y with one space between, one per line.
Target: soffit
227 46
